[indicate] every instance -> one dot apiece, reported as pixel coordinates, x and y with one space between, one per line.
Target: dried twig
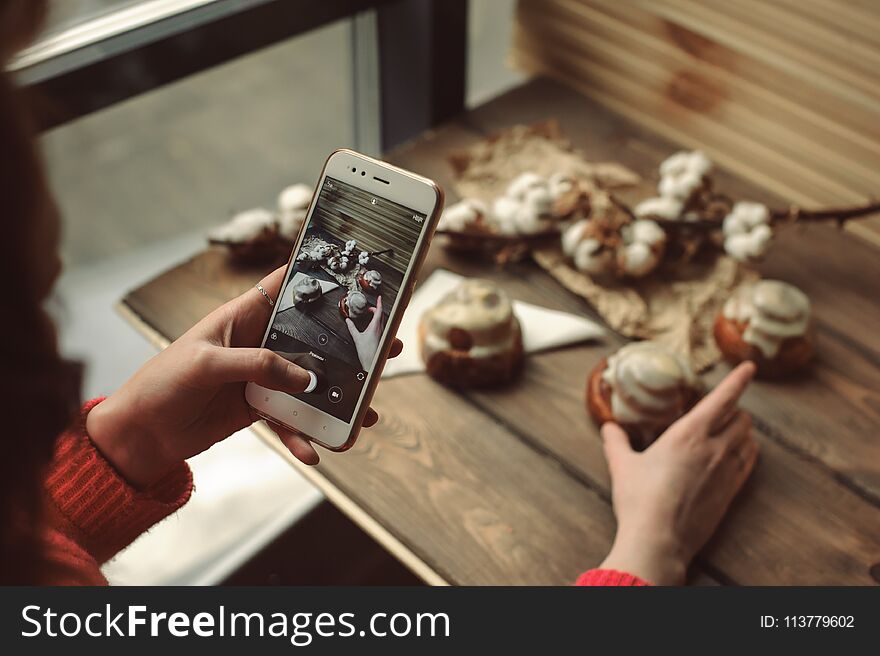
839 214
793 214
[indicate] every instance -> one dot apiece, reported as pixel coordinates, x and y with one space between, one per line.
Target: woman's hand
367 342
191 395
670 498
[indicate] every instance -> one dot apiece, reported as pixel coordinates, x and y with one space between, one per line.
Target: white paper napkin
542 328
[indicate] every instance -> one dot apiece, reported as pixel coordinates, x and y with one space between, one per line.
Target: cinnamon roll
472 337
353 305
306 291
768 323
644 387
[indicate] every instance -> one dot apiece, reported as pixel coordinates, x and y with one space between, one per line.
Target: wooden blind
786 93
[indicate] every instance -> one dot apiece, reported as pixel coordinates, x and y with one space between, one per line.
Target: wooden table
510 486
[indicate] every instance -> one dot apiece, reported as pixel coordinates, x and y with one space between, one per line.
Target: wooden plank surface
510 486
785 93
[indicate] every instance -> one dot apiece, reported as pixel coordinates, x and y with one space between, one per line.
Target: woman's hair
20 20
38 390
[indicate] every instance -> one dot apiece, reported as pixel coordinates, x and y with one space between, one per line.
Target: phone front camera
354 170
363 172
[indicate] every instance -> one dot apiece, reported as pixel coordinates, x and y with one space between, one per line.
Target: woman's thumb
616 444
260 366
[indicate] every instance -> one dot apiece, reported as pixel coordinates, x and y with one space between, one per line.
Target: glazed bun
251 235
644 387
306 291
353 305
769 323
472 337
370 280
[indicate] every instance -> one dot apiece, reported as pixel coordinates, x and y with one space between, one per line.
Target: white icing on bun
356 304
774 311
306 290
372 279
650 387
476 317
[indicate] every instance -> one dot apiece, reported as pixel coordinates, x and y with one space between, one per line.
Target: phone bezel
391 183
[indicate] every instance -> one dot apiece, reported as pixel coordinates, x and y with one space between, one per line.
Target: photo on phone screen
344 280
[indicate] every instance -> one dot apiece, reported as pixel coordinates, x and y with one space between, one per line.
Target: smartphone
348 281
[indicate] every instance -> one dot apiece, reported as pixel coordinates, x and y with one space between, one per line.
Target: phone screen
346 276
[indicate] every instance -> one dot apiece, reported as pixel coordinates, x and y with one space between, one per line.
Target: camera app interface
335 302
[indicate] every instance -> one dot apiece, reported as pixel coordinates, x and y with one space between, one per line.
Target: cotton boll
363 258
294 197
587 253
664 207
505 210
683 173
539 200
457 217
637 259
590 257
560 184
646 231
527 220
573 236
747 231
680 186
245 226
744 216
675 163
350 245
524 182
338 263
749 246
321 252
693 160
644 242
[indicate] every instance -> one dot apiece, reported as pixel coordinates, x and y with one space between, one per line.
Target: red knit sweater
94 513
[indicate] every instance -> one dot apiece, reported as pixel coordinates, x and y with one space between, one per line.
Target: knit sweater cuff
609 577
99 508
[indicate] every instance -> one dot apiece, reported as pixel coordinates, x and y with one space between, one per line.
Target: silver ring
266 294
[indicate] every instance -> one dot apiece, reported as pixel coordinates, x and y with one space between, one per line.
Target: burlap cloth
675 307
485 170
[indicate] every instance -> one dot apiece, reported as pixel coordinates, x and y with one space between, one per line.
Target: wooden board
510 486
786 94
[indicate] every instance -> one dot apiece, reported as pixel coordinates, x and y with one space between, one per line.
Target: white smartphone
349 278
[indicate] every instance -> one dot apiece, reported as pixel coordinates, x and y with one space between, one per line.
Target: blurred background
140 182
